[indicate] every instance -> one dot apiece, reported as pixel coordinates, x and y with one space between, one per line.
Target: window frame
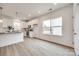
54 26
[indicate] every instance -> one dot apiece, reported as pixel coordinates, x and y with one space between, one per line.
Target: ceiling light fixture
16 15
16 18
50 9
39 12
29 15
1 14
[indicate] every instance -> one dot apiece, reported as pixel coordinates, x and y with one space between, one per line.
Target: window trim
53 26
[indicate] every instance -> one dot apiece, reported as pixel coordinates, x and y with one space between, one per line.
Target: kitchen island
8 38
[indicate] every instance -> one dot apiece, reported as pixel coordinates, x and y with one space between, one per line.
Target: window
56 26
53 26
46 27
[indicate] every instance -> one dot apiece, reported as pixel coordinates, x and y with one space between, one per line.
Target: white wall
67 38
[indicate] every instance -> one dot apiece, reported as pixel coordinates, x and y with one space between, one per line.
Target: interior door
76 29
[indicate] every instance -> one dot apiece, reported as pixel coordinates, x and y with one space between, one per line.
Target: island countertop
10 32
8 38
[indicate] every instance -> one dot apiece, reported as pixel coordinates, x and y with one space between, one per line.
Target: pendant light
16 20
16 17
1 14
50 11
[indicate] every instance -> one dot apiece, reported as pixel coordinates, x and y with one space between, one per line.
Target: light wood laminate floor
35 47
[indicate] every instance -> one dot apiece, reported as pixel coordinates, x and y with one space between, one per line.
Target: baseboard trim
53 42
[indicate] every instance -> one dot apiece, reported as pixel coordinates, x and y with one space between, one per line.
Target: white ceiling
24 9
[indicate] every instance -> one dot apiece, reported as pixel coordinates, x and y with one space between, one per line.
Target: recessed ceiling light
50 9
39 12
55 3
29 15
1 20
